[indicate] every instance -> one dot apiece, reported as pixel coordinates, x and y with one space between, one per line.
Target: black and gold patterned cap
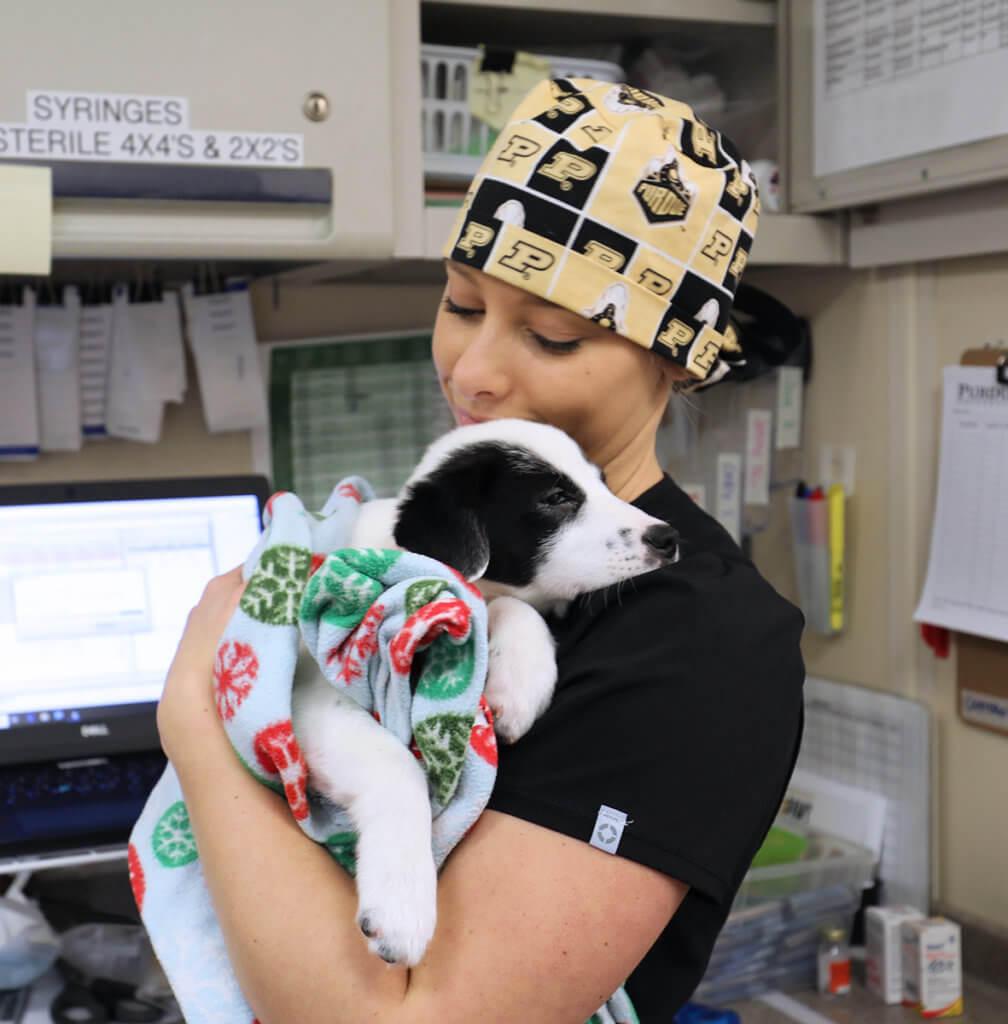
621 205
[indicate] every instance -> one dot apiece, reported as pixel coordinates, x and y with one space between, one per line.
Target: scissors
84 1000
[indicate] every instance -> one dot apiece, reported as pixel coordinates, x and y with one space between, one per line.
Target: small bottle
834 962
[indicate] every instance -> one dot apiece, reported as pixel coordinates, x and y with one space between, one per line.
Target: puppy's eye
556 497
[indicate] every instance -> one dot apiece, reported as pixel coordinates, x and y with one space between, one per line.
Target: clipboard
982 663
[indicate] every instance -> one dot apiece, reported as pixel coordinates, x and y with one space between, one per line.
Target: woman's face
500 351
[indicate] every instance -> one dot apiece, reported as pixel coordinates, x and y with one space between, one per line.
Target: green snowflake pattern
339 595
423 592
448 668
442 740
373 562
343 847
173 842
273 594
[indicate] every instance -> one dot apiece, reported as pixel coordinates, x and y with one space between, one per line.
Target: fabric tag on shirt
608 830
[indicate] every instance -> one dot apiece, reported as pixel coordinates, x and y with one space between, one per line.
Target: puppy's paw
397 908
515 710
521 672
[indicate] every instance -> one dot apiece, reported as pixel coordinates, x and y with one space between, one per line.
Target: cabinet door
220 130
891 99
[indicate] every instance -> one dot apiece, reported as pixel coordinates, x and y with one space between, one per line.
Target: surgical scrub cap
623 206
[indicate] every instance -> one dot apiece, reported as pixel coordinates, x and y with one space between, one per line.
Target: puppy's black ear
432 521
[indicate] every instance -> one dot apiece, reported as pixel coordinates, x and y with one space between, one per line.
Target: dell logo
91 731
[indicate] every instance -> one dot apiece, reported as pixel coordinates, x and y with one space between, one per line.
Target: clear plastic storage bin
772 934
828 861
454 142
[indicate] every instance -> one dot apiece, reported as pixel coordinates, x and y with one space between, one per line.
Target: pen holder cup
819 544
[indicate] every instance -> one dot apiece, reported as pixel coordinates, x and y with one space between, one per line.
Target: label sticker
756 486
985 709
789 407
608 830
728 493
121 128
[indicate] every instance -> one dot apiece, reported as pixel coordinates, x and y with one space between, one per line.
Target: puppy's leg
363 768
522 673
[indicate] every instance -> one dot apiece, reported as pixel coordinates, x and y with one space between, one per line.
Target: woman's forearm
285 907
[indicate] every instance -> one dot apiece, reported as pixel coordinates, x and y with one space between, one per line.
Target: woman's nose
480 371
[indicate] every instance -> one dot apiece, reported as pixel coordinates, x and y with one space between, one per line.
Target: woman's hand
187 709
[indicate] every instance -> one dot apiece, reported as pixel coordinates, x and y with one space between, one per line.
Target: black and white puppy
516 507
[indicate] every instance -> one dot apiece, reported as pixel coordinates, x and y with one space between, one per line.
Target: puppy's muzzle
663 541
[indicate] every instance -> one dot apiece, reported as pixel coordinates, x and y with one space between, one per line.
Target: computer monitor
96 582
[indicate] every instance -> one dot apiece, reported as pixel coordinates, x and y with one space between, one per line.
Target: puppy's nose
663 540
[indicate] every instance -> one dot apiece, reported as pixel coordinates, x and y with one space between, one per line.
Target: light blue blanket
364 615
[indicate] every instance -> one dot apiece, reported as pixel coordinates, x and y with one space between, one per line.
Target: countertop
983 1003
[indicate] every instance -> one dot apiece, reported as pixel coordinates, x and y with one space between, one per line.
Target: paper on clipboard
965 585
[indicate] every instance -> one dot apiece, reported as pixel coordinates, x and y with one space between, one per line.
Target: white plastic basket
455 142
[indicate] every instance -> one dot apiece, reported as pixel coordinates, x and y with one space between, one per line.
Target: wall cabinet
218 132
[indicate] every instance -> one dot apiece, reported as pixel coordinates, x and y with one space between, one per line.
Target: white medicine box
932 966
219 130
883 950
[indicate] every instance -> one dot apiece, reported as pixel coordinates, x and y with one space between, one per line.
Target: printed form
899 77
967 580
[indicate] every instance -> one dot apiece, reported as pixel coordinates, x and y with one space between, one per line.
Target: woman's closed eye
560 347
549 344
457 310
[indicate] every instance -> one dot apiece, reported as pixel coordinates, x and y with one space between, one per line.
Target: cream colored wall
969 309
186 448
880 341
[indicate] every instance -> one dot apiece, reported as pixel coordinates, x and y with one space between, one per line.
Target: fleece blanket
364 615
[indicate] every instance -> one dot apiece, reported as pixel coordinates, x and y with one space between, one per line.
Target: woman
589 275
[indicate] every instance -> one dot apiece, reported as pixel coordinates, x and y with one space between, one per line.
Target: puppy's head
517 503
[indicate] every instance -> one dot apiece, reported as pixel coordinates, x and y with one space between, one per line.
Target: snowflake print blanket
364 615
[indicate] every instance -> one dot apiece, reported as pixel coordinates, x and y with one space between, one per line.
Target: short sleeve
679 705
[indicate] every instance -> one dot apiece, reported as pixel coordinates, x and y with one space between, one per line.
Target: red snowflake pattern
349 491
236 669
136 877
278 753
483 739
471 587
269 506
423 626
360 645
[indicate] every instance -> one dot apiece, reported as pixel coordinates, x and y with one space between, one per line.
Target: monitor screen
96 582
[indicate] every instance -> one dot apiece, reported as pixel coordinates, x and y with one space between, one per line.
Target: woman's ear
672 376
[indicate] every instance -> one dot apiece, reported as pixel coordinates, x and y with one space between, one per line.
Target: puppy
516 507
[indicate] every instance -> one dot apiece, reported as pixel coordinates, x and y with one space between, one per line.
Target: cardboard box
883 950
932 966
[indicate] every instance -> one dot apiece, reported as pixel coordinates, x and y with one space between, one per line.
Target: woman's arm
531 924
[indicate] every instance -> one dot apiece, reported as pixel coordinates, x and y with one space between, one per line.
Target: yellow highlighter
835 511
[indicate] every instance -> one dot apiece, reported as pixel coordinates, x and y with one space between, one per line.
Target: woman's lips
464 419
